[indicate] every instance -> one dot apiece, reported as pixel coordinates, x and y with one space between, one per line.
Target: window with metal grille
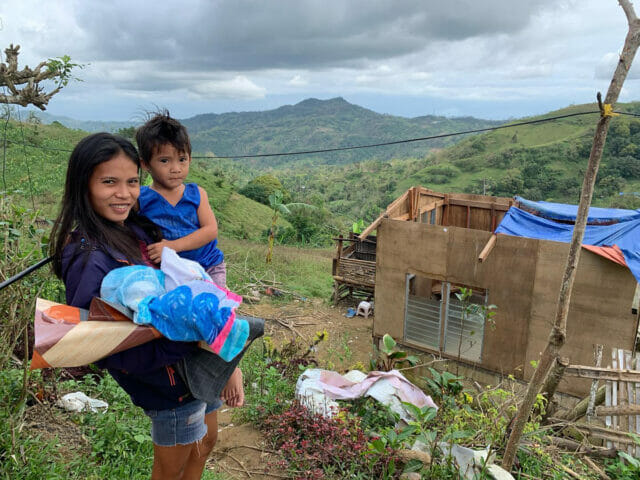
436 318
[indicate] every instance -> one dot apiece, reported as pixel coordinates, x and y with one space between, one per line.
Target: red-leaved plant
314 447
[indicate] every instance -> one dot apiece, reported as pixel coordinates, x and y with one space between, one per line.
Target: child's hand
155 250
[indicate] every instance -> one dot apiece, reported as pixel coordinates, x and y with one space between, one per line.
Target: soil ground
240 452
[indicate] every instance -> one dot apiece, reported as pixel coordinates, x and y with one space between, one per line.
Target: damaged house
511 253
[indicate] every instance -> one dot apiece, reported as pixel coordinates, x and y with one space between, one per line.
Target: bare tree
24 86
557 336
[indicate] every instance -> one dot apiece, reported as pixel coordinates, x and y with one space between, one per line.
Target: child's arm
207 232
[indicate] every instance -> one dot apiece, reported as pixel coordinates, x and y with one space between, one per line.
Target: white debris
78 402
471 462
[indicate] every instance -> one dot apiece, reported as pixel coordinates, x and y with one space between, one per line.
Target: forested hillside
319 124
542 161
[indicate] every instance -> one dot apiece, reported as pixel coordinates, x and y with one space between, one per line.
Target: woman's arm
148 356
83 276
207 232
82 273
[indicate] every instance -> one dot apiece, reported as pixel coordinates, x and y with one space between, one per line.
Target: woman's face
114 188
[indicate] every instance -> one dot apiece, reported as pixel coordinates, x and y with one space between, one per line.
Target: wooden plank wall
452 209
522 276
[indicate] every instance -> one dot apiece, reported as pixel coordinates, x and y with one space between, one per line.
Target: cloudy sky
487 58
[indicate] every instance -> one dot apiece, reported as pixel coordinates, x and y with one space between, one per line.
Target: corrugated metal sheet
465 338
422 322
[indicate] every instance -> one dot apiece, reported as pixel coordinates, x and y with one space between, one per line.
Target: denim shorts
182 425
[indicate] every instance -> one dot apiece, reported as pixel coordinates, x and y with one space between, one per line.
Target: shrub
261 187
314 446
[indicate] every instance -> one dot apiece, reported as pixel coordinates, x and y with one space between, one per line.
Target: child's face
114 188
168 167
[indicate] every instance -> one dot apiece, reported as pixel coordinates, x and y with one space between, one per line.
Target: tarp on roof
567 213
624 234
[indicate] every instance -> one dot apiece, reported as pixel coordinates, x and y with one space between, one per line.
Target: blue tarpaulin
567 213
625 233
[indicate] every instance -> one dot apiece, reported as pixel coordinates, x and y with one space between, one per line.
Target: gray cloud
252 34
216 55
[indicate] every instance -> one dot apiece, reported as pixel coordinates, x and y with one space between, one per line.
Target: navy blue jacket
145 372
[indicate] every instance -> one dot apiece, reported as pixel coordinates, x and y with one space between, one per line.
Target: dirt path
240 452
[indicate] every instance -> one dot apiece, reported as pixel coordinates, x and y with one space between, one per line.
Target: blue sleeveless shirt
179 221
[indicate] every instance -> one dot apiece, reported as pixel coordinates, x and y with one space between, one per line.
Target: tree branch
557 336
31 92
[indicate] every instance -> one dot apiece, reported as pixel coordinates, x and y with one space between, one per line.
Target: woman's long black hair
77 214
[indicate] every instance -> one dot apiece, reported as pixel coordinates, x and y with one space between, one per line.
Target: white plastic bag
78 401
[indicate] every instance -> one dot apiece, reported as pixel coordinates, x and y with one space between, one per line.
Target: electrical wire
372 145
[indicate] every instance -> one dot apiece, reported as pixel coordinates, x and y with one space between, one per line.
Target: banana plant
278 208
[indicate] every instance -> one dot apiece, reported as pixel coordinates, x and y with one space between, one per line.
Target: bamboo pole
557 336
594 384
581 407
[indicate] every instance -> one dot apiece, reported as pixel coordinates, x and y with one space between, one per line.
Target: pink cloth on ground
336 387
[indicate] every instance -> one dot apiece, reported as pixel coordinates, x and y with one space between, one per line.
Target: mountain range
309 125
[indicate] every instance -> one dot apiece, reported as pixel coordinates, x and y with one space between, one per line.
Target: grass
242 217
52 444
304 272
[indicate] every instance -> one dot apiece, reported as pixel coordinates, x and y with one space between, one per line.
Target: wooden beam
343 280
478 204
356 239
605 433
619 410
398 201
372 227
384 214
426 191
487 248
601 373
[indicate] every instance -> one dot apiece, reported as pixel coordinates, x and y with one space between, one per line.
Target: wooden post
597 354
557 336
493 218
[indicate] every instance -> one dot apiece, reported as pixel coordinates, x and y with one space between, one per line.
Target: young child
182 211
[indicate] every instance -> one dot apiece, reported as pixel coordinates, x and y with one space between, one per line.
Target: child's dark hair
76 212
160 130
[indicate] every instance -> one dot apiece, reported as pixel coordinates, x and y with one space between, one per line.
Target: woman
98 230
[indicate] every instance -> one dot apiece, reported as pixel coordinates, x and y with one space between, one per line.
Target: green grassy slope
35 176
542 161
